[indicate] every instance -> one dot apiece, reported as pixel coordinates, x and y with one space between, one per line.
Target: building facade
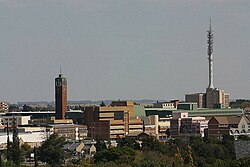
118 119
4 107
233 125
200 98
71 131
216 98
20 120
182 126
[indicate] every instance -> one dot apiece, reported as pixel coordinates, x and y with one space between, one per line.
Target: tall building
217 98
214 97
61 96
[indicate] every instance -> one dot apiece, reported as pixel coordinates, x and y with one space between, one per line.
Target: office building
117 120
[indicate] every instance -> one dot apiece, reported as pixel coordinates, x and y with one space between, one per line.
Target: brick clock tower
61 96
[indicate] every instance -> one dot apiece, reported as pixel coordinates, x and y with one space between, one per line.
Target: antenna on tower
60 70
210 27
210 43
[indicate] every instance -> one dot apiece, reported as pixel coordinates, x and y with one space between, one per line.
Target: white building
20 120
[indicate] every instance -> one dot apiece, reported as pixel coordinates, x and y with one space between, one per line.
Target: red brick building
60 96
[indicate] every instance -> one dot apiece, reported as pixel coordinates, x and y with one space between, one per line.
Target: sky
122 49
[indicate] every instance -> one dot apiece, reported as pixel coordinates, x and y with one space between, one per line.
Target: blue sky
114 49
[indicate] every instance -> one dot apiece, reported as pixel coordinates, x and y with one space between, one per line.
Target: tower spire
210 25
210 43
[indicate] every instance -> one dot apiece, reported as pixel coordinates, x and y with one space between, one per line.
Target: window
119 115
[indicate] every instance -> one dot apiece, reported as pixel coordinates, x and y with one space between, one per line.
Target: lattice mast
210 43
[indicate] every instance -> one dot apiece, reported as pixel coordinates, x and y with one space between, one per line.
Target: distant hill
86 102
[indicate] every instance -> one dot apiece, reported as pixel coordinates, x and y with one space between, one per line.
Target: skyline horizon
122 50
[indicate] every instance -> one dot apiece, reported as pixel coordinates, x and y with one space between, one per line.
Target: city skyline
122 50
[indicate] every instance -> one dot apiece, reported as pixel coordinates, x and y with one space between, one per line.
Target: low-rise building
166 105
80 149
182 126
71 131
20 120
233 125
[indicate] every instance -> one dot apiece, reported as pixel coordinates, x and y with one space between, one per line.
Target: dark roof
232 120
222 120
87 147
67 146
74 146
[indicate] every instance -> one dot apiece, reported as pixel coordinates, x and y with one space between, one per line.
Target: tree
35 157
119 155
228 145
27 108
100 145
189 158
14 152
240 103
14 108
51 150
15 147
129 142
26 149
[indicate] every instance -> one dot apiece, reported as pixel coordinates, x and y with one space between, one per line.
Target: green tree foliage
51 150
188 159
14 152
117 154
240 103
84 162
213 152
27 108
100 145
27 150
129 142
228 146
153 144
35 157
14 108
